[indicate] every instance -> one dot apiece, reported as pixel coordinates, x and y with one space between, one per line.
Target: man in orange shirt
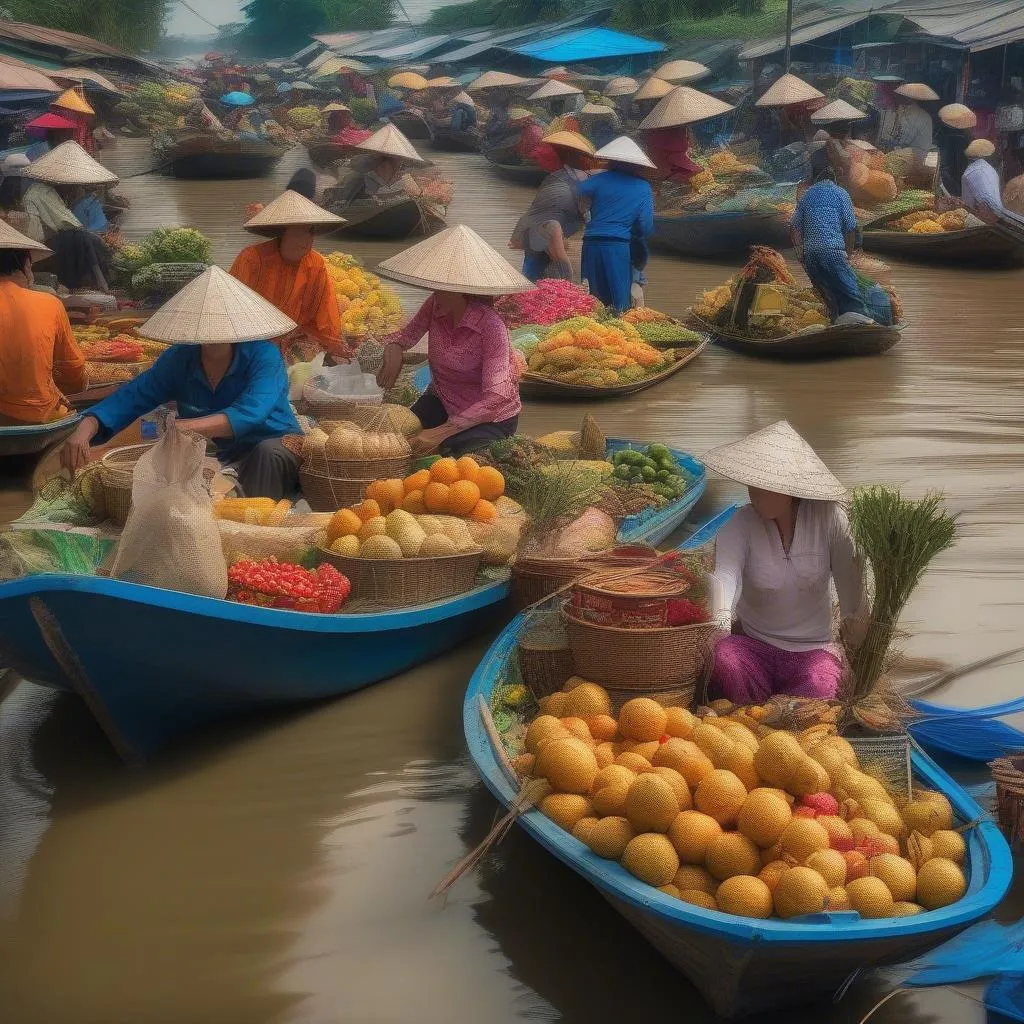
291 275
40 361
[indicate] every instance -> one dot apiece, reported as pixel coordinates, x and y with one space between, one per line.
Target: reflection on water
277 872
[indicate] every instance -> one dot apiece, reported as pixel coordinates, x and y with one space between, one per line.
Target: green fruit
649 473
658 451
622 472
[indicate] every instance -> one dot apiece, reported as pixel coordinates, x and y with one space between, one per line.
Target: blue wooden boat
31 439
740 965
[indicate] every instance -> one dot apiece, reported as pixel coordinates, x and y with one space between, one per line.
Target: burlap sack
171 539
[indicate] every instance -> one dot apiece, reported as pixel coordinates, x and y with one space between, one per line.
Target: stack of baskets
116 470
330 484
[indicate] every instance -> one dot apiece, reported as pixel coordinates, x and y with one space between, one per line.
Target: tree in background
130 27
282 26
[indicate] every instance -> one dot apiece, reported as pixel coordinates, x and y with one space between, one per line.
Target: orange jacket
39 357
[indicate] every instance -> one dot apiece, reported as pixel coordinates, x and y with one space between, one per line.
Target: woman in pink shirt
473 397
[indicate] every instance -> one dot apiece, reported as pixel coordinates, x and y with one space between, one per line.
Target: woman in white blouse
776 560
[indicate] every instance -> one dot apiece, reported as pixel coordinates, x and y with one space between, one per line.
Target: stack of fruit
659 328
304 118
653 466
552 300
273 584
113 356
729 815
365 532
928 222
368 306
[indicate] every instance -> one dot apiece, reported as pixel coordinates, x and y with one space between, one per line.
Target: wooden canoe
204 155
32 438
987 245
720 235
412 124
743 966
509 165
448 139
325 153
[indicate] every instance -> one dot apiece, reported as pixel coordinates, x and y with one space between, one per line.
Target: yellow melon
838 899
744 896
845 750
690 834
603 728
651 858
949 845
587 699
927 816
807 776
920 850
885 816
634 762
642 719
692 876
840 835
554 704
827 756
578 728
863 828
713 742
776 757
613 773
679 723
900 909
741 763
568 764
741 734
764 816
720 795
604 755
565 809
898 874
610 836
610 800
678 784
583 828
686 758
651 803
830 864
802 837
800 891
940 882
645 750
698 899
731 854
862 787
542 727
669 890
772 872
870 897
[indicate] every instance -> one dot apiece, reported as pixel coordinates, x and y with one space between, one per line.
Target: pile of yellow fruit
801 308
362 532
368 306
928 222
725 813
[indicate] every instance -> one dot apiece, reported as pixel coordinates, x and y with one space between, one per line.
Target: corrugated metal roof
977 24
587 44
416 49
56 39
805 32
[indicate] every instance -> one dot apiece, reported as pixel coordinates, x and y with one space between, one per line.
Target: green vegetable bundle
653 467
667 334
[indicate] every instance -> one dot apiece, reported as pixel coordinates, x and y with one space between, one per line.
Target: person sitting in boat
87 207
81 261
383 173
499 124
473 398
600 123
303 181
879 126
913 124
782 123
464 117
40 361
775 561
200 117
554 215
289 273
227 379
12 190
666 132
979 189
621 207
341 126
531 147
952 137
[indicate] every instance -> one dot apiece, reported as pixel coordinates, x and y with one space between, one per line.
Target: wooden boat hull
206 156
412 125
743 966
327 154
720 235
452 141
984 246
505 162
399 220
34 438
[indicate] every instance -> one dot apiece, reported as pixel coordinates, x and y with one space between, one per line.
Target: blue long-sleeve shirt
89 210
824 217
253 395
621 206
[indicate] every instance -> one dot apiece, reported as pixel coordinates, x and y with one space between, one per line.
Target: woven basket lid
389 141
444 82
495 80
979 149
680 71
624 150
595 110
519 114
788 90
917 91
456 260
776 458
549 90
12 239
681 106
653 89
837 110
292 210
72 100
570 140
407 80
216 309
332 107
623 86
69 164
956 115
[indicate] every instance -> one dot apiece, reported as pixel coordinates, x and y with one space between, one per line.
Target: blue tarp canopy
587 44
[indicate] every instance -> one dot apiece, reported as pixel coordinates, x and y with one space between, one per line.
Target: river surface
277 871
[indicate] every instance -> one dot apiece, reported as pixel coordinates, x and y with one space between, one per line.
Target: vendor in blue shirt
227 379
621 206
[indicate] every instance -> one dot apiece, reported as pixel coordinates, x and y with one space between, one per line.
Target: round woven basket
117 468
327 493
400 582
1008 773
534 579
364 469
542 650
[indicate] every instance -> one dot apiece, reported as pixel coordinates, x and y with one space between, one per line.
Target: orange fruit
462 497
491 483
344 523
435 497
483 512
417 481
413 502
469 468
379 492
368 509
444 471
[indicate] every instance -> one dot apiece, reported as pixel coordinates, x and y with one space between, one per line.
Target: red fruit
823 803
663 739
856 866
804 812
871 847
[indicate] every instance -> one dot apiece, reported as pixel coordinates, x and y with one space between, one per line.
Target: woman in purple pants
776 561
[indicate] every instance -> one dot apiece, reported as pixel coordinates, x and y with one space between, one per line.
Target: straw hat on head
73 100
407 80
69 164
389 141
864 145
290 210
979 149
837 110
570 140
495 80
917 91
681 71
621 87
11 239
787 91
553 89
778 459
333 107
595 110
519 114
653 89
624 150
465 98
444 82
14 166
956 115
682 106
216 309
456 260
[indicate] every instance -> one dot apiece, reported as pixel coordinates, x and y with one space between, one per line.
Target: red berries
273 584
551 301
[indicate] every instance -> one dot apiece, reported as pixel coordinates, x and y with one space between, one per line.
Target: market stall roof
87 77
16 77
588 44
806 29
56 39
337 65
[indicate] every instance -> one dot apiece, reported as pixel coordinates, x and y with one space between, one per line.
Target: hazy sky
183 23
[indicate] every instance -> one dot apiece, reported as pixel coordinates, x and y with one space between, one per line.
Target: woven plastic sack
171 539
291 542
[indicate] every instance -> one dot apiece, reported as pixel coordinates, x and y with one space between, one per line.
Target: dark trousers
269 471
608 270
432 413
830 273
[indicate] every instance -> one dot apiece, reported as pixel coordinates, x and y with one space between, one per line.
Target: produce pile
368 306
659 328
148 265
153 107
113 353
654 466
723 812
728 182
254 511
928 222
363 532
304 118
273 584
551 301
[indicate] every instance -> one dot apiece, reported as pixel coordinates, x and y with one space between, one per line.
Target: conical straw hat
681 71
456 260
570 140
495 80
777 458
216 308
407 80
464 97
917 91
12 239
596 110
71 100
69 164
956 115
444 82
788 90
980 148
292 210
623 86
653 89
624 150
554 88
331 107
837 110
684 105
389 141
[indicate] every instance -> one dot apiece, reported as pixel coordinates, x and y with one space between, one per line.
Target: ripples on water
276 872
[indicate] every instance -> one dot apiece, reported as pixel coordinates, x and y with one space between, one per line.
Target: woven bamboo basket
400 582
328 493
545 661
117 468
681 697
534 579
1008 773
364 469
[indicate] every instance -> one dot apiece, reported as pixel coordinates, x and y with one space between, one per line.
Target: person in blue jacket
226 377
621 206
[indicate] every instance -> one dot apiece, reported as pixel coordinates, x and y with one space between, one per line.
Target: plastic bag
292 541
171 539
300 373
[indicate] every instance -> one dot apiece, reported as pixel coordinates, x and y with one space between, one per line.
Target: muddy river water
277 871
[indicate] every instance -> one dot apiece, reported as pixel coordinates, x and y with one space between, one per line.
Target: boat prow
32 438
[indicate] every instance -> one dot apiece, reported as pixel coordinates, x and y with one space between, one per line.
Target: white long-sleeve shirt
784 598
979 187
